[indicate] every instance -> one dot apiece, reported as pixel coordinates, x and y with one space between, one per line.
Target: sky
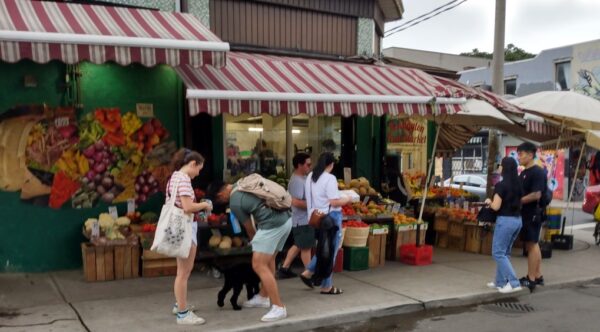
533 25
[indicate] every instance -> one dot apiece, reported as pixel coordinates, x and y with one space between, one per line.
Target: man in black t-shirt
533 180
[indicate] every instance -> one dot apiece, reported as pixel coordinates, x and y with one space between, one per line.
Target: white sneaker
257 302
509 289
190 319
276 313
492 285
176 308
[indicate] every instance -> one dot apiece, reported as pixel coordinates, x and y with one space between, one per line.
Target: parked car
473 183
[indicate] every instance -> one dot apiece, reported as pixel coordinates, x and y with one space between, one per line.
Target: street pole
497 85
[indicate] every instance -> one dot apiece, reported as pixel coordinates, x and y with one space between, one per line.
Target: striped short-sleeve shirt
184 188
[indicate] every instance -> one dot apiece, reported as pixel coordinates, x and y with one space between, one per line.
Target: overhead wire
427 16
420 16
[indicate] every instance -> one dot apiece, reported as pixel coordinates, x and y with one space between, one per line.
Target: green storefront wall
34 238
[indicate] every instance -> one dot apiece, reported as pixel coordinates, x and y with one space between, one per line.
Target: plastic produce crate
413 255
356 258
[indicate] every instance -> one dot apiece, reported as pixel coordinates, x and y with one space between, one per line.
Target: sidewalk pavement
62 301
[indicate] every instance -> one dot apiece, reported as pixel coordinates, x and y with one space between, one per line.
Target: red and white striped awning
255 83
69 32
543 128
469 92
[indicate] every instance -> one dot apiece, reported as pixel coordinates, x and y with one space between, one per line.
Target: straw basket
356 236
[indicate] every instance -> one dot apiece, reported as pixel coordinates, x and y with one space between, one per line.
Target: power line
420 16
404 27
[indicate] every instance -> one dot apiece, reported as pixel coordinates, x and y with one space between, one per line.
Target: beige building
442 61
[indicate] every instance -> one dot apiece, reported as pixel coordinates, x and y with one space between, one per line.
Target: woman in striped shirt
187 165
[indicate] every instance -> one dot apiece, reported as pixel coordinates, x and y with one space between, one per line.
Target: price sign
215 231
347 175
112 210
130 205
144 110
61 122
95 229
465 205
366 200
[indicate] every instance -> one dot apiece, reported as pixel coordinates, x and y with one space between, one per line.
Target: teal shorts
271 241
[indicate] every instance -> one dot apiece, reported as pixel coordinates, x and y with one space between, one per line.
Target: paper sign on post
347 175
130 205
112 210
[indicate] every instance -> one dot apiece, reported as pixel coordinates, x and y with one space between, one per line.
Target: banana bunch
73 163
130 123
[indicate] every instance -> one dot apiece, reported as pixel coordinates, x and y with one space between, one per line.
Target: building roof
453 62
392 9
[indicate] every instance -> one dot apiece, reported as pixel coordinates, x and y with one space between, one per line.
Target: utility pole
497 85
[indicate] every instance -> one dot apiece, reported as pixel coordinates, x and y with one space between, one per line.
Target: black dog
236 277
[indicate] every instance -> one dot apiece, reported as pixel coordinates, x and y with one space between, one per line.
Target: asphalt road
560 310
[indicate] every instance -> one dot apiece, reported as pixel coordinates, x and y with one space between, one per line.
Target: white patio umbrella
572 109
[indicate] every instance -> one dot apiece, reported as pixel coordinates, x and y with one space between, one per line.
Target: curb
360 314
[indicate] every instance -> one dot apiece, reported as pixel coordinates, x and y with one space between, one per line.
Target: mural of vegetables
104 157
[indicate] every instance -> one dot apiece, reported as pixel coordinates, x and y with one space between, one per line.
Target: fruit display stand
110 262
157 265
377 245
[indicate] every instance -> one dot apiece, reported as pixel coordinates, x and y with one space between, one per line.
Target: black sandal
333 291
307 281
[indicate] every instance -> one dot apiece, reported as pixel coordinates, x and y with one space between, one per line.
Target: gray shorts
271 241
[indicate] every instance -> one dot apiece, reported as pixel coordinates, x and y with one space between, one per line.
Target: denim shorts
194 233
271 241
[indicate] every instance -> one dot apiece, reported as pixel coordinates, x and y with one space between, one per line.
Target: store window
254 144
315 135
257 144
563 76
510 86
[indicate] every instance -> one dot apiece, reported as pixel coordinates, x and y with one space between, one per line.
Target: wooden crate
157 265
486 242
456 230
103 263
440 224
473 238
456 243
377 245
442 240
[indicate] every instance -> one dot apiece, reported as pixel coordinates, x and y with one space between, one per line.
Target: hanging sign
405 131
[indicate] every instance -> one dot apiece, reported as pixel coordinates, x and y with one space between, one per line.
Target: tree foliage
511 53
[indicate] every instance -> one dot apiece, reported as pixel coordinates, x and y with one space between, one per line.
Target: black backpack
546 195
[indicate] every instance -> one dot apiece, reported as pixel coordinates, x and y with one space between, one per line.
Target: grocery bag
173 235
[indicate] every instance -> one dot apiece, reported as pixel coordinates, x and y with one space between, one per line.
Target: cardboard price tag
366 200
396 208
112 210
130 205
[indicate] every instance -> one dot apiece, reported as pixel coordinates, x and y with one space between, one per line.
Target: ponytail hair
325 159
183 157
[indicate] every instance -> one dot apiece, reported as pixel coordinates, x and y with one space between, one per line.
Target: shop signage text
405 131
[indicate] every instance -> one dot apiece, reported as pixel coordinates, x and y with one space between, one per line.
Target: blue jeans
505 233
328 282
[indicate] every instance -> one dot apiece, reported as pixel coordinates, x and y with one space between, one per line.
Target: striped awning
43 31
542 128
453 137
255 83
469 92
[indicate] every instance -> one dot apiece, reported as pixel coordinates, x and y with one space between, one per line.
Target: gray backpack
274 195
